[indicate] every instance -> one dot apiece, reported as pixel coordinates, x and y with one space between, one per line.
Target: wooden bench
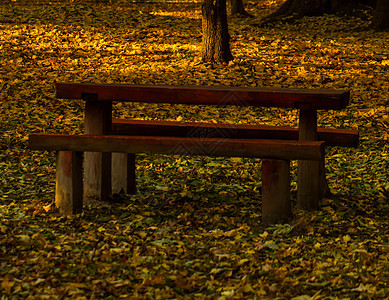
277 145
275 168
332 137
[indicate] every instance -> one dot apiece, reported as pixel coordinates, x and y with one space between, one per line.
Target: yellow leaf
236 159
302 297
116 250
216 270
6 285
247 289
243 261
68 247
142 234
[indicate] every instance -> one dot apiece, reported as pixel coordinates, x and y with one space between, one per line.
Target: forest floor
194 229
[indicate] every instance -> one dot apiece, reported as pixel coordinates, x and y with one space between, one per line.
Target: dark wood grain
276 206
238 96
97 166
332 137
308 179
69 189
268 149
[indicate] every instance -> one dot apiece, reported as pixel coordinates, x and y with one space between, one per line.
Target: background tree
216 39
294 9
381 17
237 9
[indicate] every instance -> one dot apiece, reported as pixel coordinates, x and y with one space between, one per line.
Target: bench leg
68 190
276 206
123 173
308 186
97 172
131 174
97 167
324 188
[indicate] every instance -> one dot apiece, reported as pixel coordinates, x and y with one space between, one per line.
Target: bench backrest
262 97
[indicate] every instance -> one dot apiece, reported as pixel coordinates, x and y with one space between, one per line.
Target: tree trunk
237 9
295 9
381 17
216 39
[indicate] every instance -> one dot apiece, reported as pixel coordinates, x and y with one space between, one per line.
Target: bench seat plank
332 137
272 149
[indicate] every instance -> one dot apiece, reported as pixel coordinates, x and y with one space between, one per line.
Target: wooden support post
323 184
308 187
119 173
123 173
276 206
131 174
97 168
68 189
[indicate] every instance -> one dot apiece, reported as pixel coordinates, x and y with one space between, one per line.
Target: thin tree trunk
237 9
216 39
381 17
295 9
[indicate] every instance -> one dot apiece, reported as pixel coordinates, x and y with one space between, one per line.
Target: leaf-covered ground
194 229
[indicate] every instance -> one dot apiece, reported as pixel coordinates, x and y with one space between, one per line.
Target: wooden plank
97 167
68 189
308 184
119 173
123 173
276 206
238 96
272 149
332 137
131 174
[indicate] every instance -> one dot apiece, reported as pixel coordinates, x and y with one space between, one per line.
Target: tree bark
216 39
381 17
295 9
237 9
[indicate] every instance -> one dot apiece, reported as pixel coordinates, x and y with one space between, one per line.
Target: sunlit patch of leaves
194 227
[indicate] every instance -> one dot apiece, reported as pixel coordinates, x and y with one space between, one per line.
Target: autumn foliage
193 230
